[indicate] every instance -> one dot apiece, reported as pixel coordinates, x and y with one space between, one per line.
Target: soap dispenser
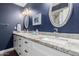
19 27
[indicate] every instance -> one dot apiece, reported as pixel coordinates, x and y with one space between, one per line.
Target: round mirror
26 21
59 14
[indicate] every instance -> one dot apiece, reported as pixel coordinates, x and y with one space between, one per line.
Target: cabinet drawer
26 51
26 43
19 51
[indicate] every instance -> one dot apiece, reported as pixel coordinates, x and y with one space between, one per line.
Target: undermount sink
58 40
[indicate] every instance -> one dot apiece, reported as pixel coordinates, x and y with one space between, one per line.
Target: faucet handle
56 29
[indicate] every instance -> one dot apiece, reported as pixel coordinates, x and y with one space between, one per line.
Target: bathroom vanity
53 43
31 44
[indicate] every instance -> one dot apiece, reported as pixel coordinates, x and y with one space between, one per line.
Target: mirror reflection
59 14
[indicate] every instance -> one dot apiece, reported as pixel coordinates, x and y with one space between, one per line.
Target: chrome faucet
36 31
56 31
27 30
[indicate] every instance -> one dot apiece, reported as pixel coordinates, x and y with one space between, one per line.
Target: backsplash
72 25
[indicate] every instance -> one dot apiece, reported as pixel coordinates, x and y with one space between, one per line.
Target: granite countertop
51 41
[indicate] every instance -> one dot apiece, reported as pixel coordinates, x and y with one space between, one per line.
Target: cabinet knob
26 42
26 51
19 53
19 45
19 39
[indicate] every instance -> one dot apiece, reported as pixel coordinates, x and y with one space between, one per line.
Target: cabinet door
26 47
46 51
20 45
30 48
36 52
15 42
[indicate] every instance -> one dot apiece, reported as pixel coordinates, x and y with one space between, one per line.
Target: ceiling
21 4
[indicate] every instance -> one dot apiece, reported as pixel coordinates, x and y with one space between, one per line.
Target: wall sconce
27 12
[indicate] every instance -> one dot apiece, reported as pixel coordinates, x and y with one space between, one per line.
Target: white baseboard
6 50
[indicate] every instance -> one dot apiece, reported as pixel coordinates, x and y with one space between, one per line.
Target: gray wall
9 14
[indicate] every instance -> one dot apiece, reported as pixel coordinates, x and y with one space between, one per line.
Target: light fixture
27 12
